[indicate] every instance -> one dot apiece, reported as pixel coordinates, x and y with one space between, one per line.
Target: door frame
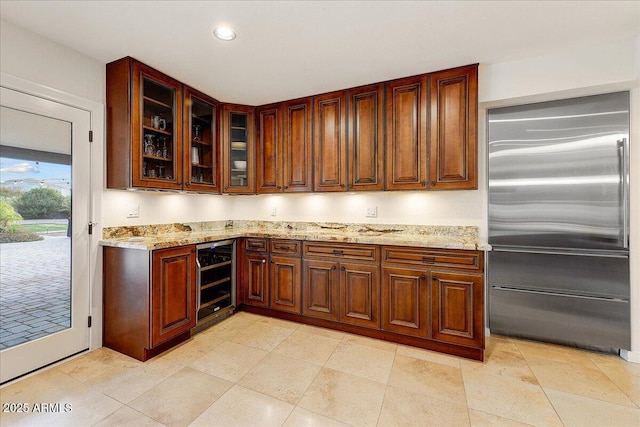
96 116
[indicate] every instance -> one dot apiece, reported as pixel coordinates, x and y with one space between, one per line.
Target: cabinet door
365 139
257 280
173 293
360 294
269 149
320 289
457 308
329 142
405 301
156 129
285 281
453 140
297 163
201 143
238 152
406 134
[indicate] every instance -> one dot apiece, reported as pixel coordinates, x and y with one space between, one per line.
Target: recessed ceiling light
225 33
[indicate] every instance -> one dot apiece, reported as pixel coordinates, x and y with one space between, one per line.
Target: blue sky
25 174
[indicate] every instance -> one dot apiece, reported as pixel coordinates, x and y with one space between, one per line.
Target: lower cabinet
149 299
430 298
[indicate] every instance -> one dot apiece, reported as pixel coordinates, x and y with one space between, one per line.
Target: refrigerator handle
622 147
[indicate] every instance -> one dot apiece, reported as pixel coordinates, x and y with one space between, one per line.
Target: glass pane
238 165
202 142
35 227
159 140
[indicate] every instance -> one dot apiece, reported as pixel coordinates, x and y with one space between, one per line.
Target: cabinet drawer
256 244
341 251
286 247
458 259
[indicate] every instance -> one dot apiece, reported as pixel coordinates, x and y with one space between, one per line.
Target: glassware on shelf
165 154
196 133
149 145
195 156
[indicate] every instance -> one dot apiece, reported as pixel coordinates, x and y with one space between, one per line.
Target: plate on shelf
240 145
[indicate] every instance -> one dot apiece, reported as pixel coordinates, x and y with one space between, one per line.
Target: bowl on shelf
240 164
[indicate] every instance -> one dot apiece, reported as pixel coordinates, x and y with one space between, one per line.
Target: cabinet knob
342 269
278 187
333 268
435 278
271 261
423 277
286 186
423 182
433 183
188 184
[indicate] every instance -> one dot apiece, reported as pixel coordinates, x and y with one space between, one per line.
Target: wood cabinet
453 142
149 299
238 149
406 133
285 271
405 300
365 139
256 272
269 149
330 142
341 283
457 308
144 127
201 144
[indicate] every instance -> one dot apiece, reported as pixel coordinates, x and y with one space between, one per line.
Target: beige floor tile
77 403
188 352
229 361
580 379
428 378
509 398
581 411
343 397
431 356
181 398
243 407
98 365
367 362
371 342
125 417
403 408
323 332
302 417
625 375
280 323
548 351
308 347
262 335
281 377
231 326
128 385
502 358
482 419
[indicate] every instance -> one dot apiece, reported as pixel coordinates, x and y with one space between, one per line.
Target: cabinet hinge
89 322
91 224
90 136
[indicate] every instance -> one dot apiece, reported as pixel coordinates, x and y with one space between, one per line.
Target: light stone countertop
150 237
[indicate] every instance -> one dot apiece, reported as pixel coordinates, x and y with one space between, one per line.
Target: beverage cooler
216 282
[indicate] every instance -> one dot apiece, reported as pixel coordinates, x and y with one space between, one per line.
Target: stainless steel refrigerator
559 221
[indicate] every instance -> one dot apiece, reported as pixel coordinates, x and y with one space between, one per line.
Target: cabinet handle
187 184
333 268
435 278
423 277
423 183
271 261
433 183
278 187
428 260
342 268
286 186
338 252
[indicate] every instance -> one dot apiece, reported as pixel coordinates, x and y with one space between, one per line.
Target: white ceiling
289 49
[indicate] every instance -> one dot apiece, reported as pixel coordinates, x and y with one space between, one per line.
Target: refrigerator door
558 173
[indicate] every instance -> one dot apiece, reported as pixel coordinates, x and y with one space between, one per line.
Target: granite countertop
150 237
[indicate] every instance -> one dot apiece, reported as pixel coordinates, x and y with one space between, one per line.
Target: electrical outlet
134 211
372 212
273 211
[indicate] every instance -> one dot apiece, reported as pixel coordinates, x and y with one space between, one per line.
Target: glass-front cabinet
239 150
157 162
201 171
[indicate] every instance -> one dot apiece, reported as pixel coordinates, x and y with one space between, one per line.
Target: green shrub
8 215
39 203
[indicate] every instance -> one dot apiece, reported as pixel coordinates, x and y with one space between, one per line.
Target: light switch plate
273 211
134 211
372 212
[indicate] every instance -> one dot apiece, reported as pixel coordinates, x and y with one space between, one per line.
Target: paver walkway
34 289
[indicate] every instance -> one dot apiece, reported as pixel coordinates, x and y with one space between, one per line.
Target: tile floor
256 371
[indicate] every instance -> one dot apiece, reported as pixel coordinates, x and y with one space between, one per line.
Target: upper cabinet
330 142
161 134
238 149
269 148
200 130
406 111
144 127
365 139
453 144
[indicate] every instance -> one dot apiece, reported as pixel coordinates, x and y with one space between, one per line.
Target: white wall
583 71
